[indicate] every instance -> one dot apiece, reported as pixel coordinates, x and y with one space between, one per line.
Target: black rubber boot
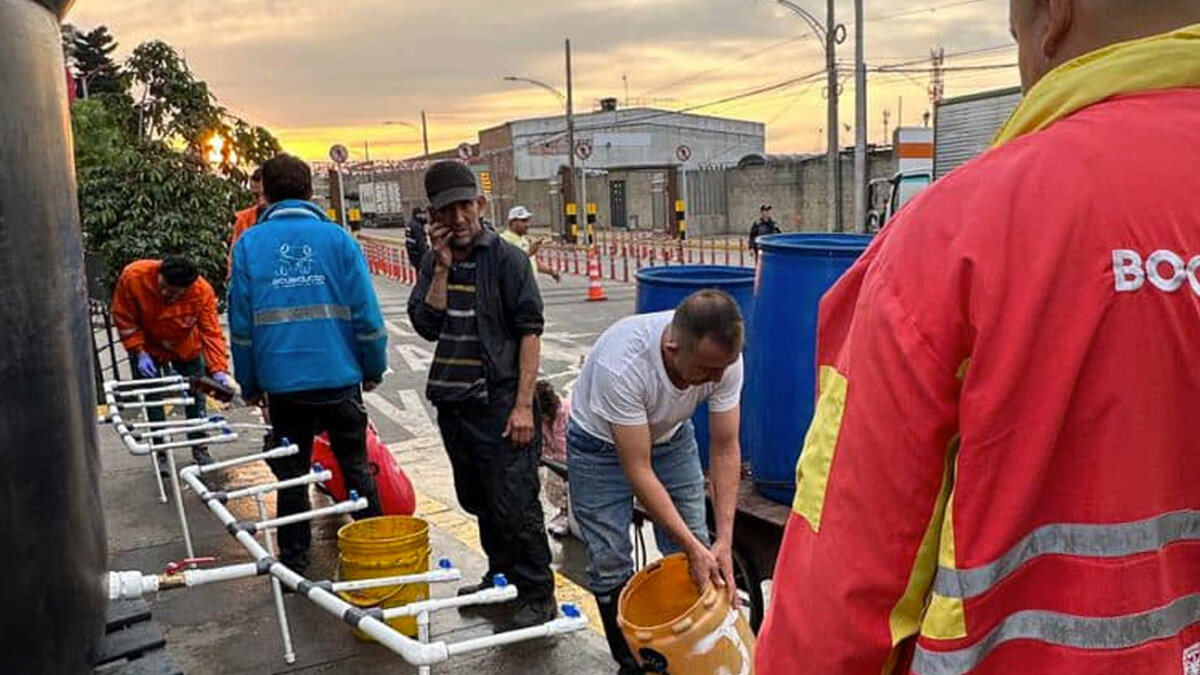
607 604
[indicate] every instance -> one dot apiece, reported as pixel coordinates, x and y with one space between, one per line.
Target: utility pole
574 196
424 135
860 122
833 153
937 76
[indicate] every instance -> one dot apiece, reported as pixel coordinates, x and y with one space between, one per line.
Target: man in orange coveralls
167 315
1003 471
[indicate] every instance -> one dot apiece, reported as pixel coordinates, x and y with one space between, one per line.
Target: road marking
396 330
417 358
413 419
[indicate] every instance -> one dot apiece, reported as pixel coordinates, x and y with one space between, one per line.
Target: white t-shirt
625 382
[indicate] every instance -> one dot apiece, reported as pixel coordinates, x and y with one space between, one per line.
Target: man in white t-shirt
631 435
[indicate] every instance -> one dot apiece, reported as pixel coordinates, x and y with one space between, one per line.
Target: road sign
464 151
485 180
683 153
583 149
339 154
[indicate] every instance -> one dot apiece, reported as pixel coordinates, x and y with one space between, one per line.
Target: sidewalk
232 627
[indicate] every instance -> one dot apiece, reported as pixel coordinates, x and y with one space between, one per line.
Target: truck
963 128
914 149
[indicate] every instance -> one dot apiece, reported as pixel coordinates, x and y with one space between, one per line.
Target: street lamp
423 129
568 102
831 35
562 98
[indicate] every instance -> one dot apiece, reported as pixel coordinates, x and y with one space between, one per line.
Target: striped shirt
457 374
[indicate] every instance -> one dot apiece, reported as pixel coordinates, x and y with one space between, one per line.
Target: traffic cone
595 290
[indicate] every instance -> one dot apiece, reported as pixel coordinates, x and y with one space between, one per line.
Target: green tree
175 107
147 200
91 55
146 186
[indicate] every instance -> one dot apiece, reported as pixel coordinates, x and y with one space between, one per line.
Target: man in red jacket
1003 474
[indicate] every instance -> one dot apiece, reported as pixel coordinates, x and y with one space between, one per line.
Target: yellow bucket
672 627
387 546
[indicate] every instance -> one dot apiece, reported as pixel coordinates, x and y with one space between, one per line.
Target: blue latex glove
224 379
146 365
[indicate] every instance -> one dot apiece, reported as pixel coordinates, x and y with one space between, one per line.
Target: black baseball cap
765 207
450 181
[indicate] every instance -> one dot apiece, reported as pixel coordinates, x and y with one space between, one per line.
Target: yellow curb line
464 529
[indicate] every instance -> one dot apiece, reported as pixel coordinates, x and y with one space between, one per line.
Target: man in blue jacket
307 338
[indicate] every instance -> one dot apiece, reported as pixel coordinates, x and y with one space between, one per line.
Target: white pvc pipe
337 509
151 390
285 631
179 510
430 577
275 453
138 426
410 650
559 626
182 429
115 385
130 585
215 575
488 596
255 490
134 405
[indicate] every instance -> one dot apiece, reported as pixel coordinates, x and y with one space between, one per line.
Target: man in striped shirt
477 298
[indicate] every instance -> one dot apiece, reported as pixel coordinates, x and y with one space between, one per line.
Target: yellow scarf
1167 61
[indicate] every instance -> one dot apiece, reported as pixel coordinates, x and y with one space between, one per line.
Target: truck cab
886 196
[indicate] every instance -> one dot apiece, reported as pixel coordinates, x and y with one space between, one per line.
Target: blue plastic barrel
663 288
795 270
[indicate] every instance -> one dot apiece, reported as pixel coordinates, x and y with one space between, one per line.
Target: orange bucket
673 627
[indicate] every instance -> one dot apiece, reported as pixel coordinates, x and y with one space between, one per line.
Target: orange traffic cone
595 290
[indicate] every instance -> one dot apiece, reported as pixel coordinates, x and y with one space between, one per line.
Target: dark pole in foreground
52 529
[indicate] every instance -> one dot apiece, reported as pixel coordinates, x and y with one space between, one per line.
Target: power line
919 10
743 58
951 69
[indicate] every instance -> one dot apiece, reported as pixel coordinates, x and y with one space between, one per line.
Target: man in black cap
763 226
477 298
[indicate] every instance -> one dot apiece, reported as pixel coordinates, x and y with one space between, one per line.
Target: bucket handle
337 576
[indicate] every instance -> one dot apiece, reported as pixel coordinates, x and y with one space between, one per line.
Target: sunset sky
318 73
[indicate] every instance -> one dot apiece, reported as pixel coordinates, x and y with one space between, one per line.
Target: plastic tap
445 564
353 496
500 581
571 611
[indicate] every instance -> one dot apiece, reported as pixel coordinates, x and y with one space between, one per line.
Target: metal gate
616 202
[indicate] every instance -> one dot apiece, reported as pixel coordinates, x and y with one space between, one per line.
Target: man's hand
703 565
535 247
557 276
519 430
370 385
439 242
146 365
723 552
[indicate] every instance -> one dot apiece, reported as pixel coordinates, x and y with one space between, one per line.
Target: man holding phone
477 298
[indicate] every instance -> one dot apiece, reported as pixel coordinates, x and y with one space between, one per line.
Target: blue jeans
602 500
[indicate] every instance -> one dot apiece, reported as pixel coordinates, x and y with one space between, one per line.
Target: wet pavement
231 628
